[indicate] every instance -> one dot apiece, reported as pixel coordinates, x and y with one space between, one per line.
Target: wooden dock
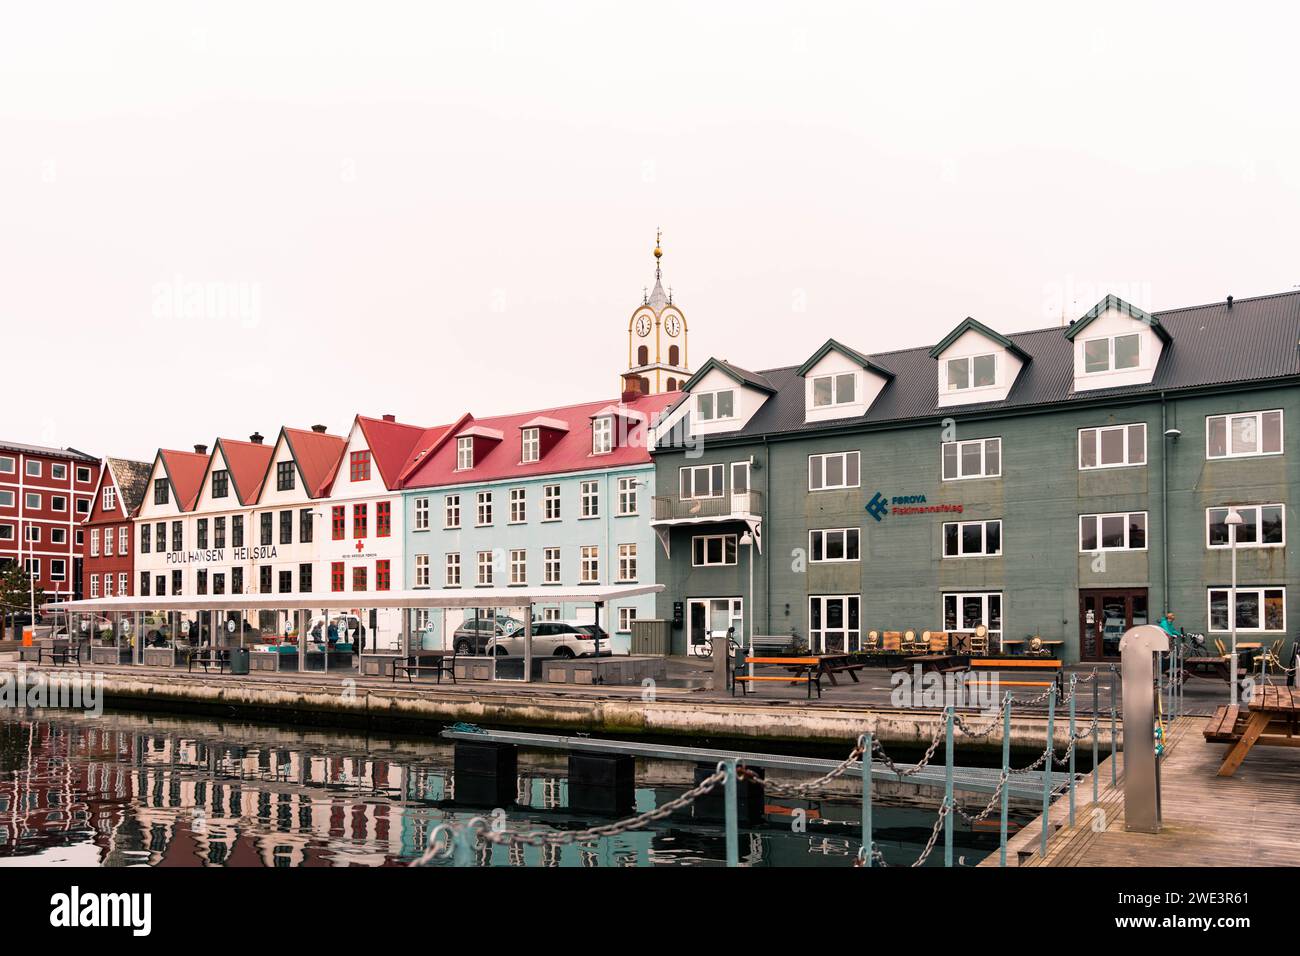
1245 820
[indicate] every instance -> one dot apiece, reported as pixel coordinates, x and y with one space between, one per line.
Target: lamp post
1234 521
747 539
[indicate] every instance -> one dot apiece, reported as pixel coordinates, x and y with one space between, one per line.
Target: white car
554 639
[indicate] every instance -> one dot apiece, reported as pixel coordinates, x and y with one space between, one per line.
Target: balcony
738 506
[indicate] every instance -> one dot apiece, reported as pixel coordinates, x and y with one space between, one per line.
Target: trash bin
239 660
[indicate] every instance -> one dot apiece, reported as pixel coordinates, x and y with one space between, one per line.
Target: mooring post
867 841
1047 767
1006 771
948 801
1095 775
729 800
1074 680
1114 754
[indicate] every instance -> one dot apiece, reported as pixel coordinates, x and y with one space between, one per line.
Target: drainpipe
767 557
1164 506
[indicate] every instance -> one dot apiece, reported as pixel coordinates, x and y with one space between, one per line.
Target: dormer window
1113 353
465 453
220 483
602 435
532 445
835 390
161 491
972 371
713 406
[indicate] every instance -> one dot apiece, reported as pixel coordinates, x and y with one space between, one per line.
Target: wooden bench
805 670
1222 727
1020 664
437 664
60 652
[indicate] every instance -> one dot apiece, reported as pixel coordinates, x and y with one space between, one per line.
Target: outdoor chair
909 643
873 641
979 641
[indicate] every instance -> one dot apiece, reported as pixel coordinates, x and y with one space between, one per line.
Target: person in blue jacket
1167 624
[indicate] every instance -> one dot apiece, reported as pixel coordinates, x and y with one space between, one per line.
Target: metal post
948 786
1095 769
1232 602
1074 680
1114 755
867 838
1047 767
1006 780
732 813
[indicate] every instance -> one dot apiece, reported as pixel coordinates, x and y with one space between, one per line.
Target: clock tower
656 341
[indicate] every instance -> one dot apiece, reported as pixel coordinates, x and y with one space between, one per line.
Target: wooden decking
1245 820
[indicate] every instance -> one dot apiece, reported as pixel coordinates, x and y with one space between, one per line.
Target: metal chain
877 748
802 789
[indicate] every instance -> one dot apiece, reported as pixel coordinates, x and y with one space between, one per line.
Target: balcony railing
745 504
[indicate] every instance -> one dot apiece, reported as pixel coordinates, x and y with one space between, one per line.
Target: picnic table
932 663
1272 721
803 670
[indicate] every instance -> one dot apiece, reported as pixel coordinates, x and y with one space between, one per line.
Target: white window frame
6 532
1128 461
33 535
518 505
960 446
123 583
1230 417
714 491
984 552
108 542
518 566
817 637
421 514
59 503
94 585
845 457
123 539
1128 530
483 509
465 453
722 538
589 564
970 385
551 497
1110 353
626 563
28 497
589 495
602 435
6 498
83 471
626 615
714 398
32 469
1259 590
60 536
451 511
421 570
33 566
8 465
109 498
94 542
530 445
627 494
845 534
59 472
835 379
1259 524
551 569
485 569
984 597
451 570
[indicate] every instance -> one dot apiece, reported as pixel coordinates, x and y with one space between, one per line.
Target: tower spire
657 299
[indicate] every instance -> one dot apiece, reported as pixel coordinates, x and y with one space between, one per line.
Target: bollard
947 790
1138 650
1047 767
733 835
867 839
1006 770
1074 679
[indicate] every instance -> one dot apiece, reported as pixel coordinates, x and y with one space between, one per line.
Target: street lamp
747 539
1234 521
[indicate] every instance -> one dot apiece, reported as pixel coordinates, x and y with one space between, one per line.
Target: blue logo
876 507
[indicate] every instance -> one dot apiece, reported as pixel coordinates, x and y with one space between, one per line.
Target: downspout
767 557
1164 507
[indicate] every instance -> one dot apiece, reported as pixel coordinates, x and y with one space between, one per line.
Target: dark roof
853 355
70 453
742 376
132 479
1253 340
967 325
1115 302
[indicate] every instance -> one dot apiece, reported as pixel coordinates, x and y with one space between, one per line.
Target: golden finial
658 252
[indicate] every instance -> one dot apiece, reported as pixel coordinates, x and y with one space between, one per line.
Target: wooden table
803 670
832 664
932 663
1272 708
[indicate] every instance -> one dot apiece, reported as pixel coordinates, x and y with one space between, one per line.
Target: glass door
833 625
712 618
1104 616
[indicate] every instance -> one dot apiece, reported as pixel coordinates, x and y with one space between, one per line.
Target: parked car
554 639
476 633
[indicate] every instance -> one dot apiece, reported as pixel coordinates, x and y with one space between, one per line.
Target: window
551 566
589 565
109 498
1263 526
1239 436
451 511
161 494
383 575
221 484
33 566
94 542
144 583
838 389
712 406
83 506
839 470
518 505
6 465
965 612
286 527
219 532
34 534
591 499
1112 354
360 520
518 566
306 530
484 514
551 503
465 453
336 576
6 532
178 536
968 539
33 469
284 477
94 585
626 615
712 550
532 445
123 583
835 544
236 580
359 466
266 527
338 522
123 539
237 532
32 501
59 572
484 568
83 475
701 481
178 579
218 583
286 582
160 585
627 562
421 517
58 503
452 571
972 371
200 581
359 576
200 534
60 536
59 472
1126 531
627 496
6 499
602 435
981 458
421 570
1258 609
160 535
740 478
1113 446
383 519
834 624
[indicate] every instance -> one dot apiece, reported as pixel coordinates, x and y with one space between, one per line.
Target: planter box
266 661
159 656
110 655
474 668
604 670
378 665
30 654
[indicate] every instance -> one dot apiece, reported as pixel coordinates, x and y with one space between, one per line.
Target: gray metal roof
1256 339
71 454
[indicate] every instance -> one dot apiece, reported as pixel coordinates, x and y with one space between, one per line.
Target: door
833 624
712 617
1104 615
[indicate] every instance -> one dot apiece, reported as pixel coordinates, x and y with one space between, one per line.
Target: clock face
643 326
672 325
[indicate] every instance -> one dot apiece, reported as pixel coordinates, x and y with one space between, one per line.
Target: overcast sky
222 218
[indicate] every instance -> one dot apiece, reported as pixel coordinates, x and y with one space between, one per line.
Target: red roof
186 470
318 456
430 442
247 463
571 452
394 444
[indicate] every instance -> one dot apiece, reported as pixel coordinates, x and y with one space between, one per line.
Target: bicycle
704 649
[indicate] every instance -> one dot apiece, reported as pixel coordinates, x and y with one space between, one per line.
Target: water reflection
127 789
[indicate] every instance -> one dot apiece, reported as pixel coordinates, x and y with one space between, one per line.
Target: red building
45 495
108 569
